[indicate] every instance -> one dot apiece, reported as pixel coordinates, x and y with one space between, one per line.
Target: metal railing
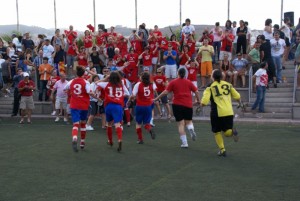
250 83
295 82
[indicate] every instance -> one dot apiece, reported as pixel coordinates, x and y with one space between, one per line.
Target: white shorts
154 60
150 69
60 103
222 55
171 71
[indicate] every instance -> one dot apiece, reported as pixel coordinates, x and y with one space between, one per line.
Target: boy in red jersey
182 104
80 92
113 102
144 93
192 66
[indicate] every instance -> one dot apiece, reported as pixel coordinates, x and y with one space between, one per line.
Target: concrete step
276 100
275 94
268 115
269 109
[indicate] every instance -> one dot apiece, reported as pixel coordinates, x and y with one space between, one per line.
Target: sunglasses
105 71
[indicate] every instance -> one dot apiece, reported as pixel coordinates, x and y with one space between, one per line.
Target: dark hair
268 22
286 19
263 64
79 71
230 23
115 78
187 20
172 37
181 72
183 24
217 75
94 77
45 58
276 26
217 24
145 78
246 23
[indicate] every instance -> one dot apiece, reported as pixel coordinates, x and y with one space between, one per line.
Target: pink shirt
59 86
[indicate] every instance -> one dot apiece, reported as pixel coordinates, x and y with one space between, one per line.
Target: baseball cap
25 74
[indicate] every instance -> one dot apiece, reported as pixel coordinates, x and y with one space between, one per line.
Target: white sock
75 138
183 139
190 127
151 121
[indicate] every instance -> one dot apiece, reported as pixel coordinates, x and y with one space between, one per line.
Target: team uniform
79 90
127 84
144 104
219 94
113 103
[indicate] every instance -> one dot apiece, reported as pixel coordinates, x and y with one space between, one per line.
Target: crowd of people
111 75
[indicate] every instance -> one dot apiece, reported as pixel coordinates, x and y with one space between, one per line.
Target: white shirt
261 77
235 35
277 47
287 32
188 29
60 86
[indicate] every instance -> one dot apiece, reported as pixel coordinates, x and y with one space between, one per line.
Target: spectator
288 35
153 42
226 47
189 40
171 67
26 87
207 35
58 39
59 59
226 68
45 71
71 54
6 76
10 50
228 26
3 49
48 50
239 65
100 38
242 32
146 57
27 43
38 60
88 42
276 29
96 60
17 96
248 36
234 27
142 33
297 59
17 42
217 33
82 57
254 57
52 80
268 29
187 30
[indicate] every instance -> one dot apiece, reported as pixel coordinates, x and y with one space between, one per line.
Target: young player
80 92
192 66
114 102
182 104
144 93
219 93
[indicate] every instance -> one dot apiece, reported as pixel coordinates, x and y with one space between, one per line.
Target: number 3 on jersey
118 92
225 87
77 89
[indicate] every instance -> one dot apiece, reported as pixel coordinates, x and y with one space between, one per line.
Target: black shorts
93 109
271 68
101 109
6 79
182 113
219 124
164 99
287 42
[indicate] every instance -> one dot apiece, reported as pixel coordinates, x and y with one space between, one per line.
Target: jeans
217 46
43 84
70 60
260 99
277 62
17 98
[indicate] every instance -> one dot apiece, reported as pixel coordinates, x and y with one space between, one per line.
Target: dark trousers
17 98
43 84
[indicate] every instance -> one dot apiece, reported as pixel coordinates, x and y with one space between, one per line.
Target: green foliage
8 37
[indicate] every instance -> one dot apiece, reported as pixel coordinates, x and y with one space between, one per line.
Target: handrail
250 83
295 83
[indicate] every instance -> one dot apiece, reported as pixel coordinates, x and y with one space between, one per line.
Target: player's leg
57 108
177 111
216 123
147 116
139 121
117 113
83 117
190 127
127 113
109 120
229 131
92 112
75 119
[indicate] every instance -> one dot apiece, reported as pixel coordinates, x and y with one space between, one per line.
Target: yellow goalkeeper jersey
219 94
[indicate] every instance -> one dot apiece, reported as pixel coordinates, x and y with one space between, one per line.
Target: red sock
109 133
75 129
119 132
148 127
127 115
83 130
139 133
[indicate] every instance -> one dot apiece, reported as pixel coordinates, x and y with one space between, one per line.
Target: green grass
37 164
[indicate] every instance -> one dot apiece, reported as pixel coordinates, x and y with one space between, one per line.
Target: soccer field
38 164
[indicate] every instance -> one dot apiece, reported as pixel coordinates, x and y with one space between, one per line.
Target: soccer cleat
110 143
152 133
53 113
222 153
65 119
185 146
235 135
140 142
89 128
119 146
56 119
74 145
82 144
193 134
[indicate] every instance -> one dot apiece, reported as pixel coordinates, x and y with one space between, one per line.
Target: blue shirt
170 60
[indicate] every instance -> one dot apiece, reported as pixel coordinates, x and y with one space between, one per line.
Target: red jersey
79 93
144 94
164 44
160 81
137 46
72 49
100 93
147 59
131 71
113 94
118 59
82 61
26 92
192 45
184 58
174 45
226 42
70 36
182 89
157 33
192 72
100 39
152 45
122 45
52 81
88 41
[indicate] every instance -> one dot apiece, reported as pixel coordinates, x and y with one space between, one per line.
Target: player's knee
228 133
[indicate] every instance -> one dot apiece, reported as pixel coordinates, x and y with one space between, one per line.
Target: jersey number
226 89
146 91
77 89
118 94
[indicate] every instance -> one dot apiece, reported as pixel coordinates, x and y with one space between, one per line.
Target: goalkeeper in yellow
219 93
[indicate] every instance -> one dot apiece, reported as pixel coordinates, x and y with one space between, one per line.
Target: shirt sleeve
154 86
206 96
135 89
88 87
67 87
235 95
126 92
102 84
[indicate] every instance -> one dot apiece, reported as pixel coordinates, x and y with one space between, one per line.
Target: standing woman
113 102
182 104
144 93
88 42
242 38
268 32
